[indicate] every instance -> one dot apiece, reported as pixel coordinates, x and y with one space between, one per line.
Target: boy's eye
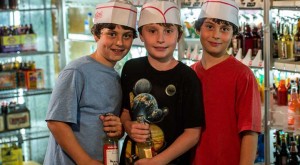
169 31
128 36
111 34
151 30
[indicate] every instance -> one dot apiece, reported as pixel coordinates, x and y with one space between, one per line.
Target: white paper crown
159 12
221 9
117 13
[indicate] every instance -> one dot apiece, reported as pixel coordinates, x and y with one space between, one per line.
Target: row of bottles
16 74
248 38
17 38
241 3
11 154
287 147
286 40
8 4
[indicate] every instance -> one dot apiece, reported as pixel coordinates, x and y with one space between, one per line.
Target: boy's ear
141 37
179 36
96 38
198 32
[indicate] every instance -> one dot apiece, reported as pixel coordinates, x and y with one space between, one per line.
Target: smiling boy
231 97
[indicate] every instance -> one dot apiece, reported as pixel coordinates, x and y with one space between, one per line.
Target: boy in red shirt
230 92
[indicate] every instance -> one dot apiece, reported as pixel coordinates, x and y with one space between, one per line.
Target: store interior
38 38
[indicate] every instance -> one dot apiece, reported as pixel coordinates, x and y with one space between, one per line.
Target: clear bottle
110 149
88 23
145 149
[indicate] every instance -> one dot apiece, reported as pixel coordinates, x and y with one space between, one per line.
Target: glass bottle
289 43
281 44
256 41
145 149
294 158
284 152
248 39
293 107
275 41
237 42
282 93
297 42
110 149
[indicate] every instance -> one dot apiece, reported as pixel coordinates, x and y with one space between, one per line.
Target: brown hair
199 22
96 29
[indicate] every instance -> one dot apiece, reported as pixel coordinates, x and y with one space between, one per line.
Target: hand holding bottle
139 132
112 125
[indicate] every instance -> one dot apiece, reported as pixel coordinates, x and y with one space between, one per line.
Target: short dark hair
199 22
179 28
96 29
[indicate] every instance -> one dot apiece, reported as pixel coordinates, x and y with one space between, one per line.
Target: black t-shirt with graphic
179 90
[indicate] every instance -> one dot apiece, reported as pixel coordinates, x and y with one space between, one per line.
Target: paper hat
159 12
117 13
221 9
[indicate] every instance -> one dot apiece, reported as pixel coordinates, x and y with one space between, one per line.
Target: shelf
286 4
27 134
34 9
90 38
5 94
80 3
287 65
32 53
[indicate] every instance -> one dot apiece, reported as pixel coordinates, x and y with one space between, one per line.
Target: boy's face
160 41
114 44
215 37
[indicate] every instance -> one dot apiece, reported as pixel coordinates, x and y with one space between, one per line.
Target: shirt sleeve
64 101
248 103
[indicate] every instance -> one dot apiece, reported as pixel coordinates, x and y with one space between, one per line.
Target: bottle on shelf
110 149
289 42
13 4
237 42
282 44
88 23
256 41
294 158
145 149
284 152
248 39
297 42
275 40
282 93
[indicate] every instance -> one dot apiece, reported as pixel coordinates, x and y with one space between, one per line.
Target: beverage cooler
40 37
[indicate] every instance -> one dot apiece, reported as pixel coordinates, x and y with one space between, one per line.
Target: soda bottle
110 149
145 149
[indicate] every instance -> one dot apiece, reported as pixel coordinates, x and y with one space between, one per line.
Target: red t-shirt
232 105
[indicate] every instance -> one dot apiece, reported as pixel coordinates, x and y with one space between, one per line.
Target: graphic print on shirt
143 103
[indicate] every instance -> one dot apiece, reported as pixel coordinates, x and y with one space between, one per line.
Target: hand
138 132
112 125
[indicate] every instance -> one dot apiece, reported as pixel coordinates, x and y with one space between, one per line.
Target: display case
29 62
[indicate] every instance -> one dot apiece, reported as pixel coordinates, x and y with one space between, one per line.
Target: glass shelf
31 53
5 94
37 9
27 134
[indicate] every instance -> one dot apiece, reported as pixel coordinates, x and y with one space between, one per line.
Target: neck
102 60
162 65
209 61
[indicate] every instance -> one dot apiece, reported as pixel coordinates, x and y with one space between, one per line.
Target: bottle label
111 154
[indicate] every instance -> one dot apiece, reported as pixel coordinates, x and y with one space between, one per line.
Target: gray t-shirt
84 90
